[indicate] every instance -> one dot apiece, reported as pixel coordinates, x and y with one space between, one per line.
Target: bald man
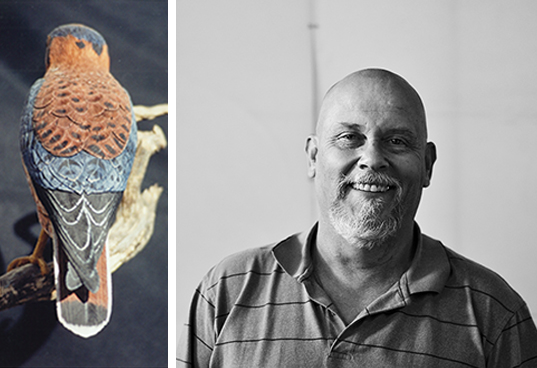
364 287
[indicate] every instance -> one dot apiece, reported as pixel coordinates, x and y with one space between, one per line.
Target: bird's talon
18 262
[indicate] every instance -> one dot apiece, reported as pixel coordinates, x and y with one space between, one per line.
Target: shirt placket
350 341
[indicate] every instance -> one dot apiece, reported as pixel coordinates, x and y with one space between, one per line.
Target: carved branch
130 233
135 217
149 112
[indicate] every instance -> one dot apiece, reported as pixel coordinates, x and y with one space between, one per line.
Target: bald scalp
368 87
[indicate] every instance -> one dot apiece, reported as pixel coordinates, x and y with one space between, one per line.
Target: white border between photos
172 244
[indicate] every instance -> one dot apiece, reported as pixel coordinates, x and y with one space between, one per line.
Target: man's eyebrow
349 125
402 131
393 130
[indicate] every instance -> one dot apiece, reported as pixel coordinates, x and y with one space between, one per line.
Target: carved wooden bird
78 141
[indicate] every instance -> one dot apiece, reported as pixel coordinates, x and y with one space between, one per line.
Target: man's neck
352 275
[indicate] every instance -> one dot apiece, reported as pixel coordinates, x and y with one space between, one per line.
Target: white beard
369 226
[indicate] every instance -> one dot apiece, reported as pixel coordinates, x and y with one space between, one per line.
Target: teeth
373 187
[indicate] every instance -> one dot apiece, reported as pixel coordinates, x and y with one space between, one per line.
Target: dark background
137 334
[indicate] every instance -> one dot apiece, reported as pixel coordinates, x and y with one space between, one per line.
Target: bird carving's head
74 45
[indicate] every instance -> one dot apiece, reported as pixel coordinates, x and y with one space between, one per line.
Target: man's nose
372 157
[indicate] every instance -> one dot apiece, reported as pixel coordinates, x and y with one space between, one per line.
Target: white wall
243 115
244 110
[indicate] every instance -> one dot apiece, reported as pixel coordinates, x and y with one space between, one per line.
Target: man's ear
311 152
430 159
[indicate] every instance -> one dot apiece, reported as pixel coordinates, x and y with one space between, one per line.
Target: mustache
370 177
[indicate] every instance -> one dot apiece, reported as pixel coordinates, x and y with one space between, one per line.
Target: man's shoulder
252 261
256 259
261 259
244 275
467 274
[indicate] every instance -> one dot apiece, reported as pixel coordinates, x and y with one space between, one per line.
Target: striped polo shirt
263 308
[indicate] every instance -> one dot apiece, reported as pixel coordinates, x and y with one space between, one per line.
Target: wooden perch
149 112
135 217
131 231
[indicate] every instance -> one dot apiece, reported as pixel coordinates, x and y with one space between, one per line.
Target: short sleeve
197 339
517 344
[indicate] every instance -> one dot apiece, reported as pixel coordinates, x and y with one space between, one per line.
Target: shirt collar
428 271
430 267
294 254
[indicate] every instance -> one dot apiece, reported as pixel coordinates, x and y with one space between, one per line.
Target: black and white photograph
355 183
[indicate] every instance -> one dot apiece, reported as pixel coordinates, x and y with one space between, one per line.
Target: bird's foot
38 261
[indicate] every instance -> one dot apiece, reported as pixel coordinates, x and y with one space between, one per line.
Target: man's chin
366 230
375 235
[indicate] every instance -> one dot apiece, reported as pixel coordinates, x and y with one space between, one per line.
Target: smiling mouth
372 188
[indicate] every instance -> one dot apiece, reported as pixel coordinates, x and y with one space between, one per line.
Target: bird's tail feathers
82 312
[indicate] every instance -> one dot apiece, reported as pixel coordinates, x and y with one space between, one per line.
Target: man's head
370 157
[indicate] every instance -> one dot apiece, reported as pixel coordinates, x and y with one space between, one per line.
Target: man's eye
397 142
349 137
349 140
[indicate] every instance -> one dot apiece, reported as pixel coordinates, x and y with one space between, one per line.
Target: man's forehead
351 107
376 122
371 101
372 93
